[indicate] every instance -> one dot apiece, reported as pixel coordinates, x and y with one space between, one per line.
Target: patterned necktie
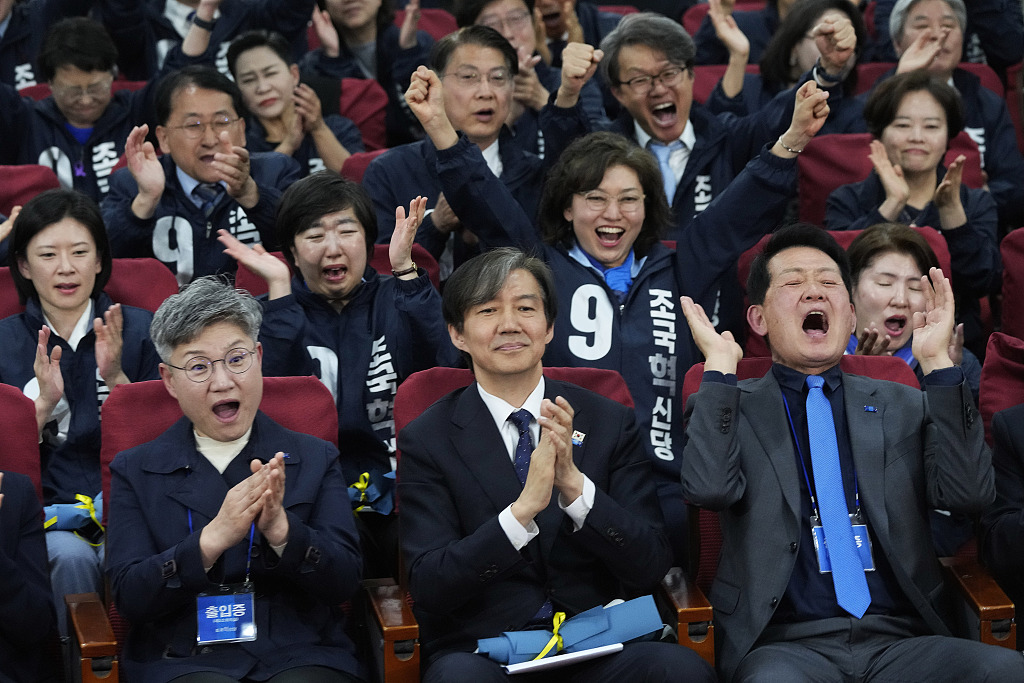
521 419
847 569
668 177
209 194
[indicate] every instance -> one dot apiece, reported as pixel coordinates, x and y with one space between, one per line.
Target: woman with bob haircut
602 215
887 264
66 351
913 117
360 332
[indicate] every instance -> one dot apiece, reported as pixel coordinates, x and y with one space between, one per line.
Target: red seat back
831 161
302 404
693 17
363 100
1002 377
707 76
9 304
20 452
617 9
381 262
1012 251
18 184
434 20
355 166
253 283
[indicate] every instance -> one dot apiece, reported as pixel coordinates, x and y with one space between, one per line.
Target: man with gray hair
499 535
230 542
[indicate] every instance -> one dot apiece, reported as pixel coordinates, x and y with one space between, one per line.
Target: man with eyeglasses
227 504
80 130
537 79
477 67
171 207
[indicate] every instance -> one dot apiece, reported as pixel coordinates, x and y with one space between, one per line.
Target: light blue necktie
847 569
524 448
668 177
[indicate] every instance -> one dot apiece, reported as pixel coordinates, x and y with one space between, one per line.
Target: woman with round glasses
66 351
602 215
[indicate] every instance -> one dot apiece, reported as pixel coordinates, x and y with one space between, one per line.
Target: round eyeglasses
199 368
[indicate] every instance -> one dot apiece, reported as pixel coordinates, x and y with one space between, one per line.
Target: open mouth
552 19
484 115
609 237
664 114
335 273
895 325
815 324
67 287
226 410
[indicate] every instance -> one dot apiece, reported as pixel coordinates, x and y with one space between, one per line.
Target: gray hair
206 301
901 10
656 31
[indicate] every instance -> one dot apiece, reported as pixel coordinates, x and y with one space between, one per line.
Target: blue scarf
619 278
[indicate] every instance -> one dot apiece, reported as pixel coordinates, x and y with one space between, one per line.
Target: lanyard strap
803 466
248 556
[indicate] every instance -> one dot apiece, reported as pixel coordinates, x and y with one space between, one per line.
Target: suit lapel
868 447
765 412
479 446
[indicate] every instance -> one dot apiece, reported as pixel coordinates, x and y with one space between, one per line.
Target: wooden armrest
87 615
682 602
394 632
986 599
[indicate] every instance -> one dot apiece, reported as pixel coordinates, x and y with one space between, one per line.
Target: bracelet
824 75
203 23
788 148
408 271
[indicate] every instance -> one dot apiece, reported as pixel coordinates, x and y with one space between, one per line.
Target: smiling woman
913 116
67 351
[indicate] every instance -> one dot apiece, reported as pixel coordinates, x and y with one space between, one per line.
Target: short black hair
581 168
883 103
468 11
79 42
797 235
200 76
479 280
483 36
313 197
889 238
42 211
251 40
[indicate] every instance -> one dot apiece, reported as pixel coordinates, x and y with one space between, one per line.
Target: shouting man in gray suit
823 482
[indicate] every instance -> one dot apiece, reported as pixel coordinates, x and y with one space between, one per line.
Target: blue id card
226 616
860 537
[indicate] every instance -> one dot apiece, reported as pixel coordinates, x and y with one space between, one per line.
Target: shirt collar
500 409
492 155
788 378
82 327
688 138
188 183
577 254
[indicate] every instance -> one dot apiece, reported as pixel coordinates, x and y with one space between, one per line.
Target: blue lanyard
248 557
803 466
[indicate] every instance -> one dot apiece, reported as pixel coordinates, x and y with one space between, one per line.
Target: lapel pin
577 438
870 409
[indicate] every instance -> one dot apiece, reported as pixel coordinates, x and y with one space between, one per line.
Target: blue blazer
455 477
155 567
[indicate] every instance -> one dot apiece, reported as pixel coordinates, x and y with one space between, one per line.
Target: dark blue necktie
209 194
847 569
521 419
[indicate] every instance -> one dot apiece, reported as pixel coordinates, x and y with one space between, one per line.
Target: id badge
860 537
226 615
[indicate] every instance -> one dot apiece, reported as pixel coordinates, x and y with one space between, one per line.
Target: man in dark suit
758 454
1003 543
228 519
497 538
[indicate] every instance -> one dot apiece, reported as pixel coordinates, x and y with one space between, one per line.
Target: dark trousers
301 674
878 649
647 662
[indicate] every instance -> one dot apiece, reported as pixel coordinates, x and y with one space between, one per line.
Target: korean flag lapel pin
577 437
